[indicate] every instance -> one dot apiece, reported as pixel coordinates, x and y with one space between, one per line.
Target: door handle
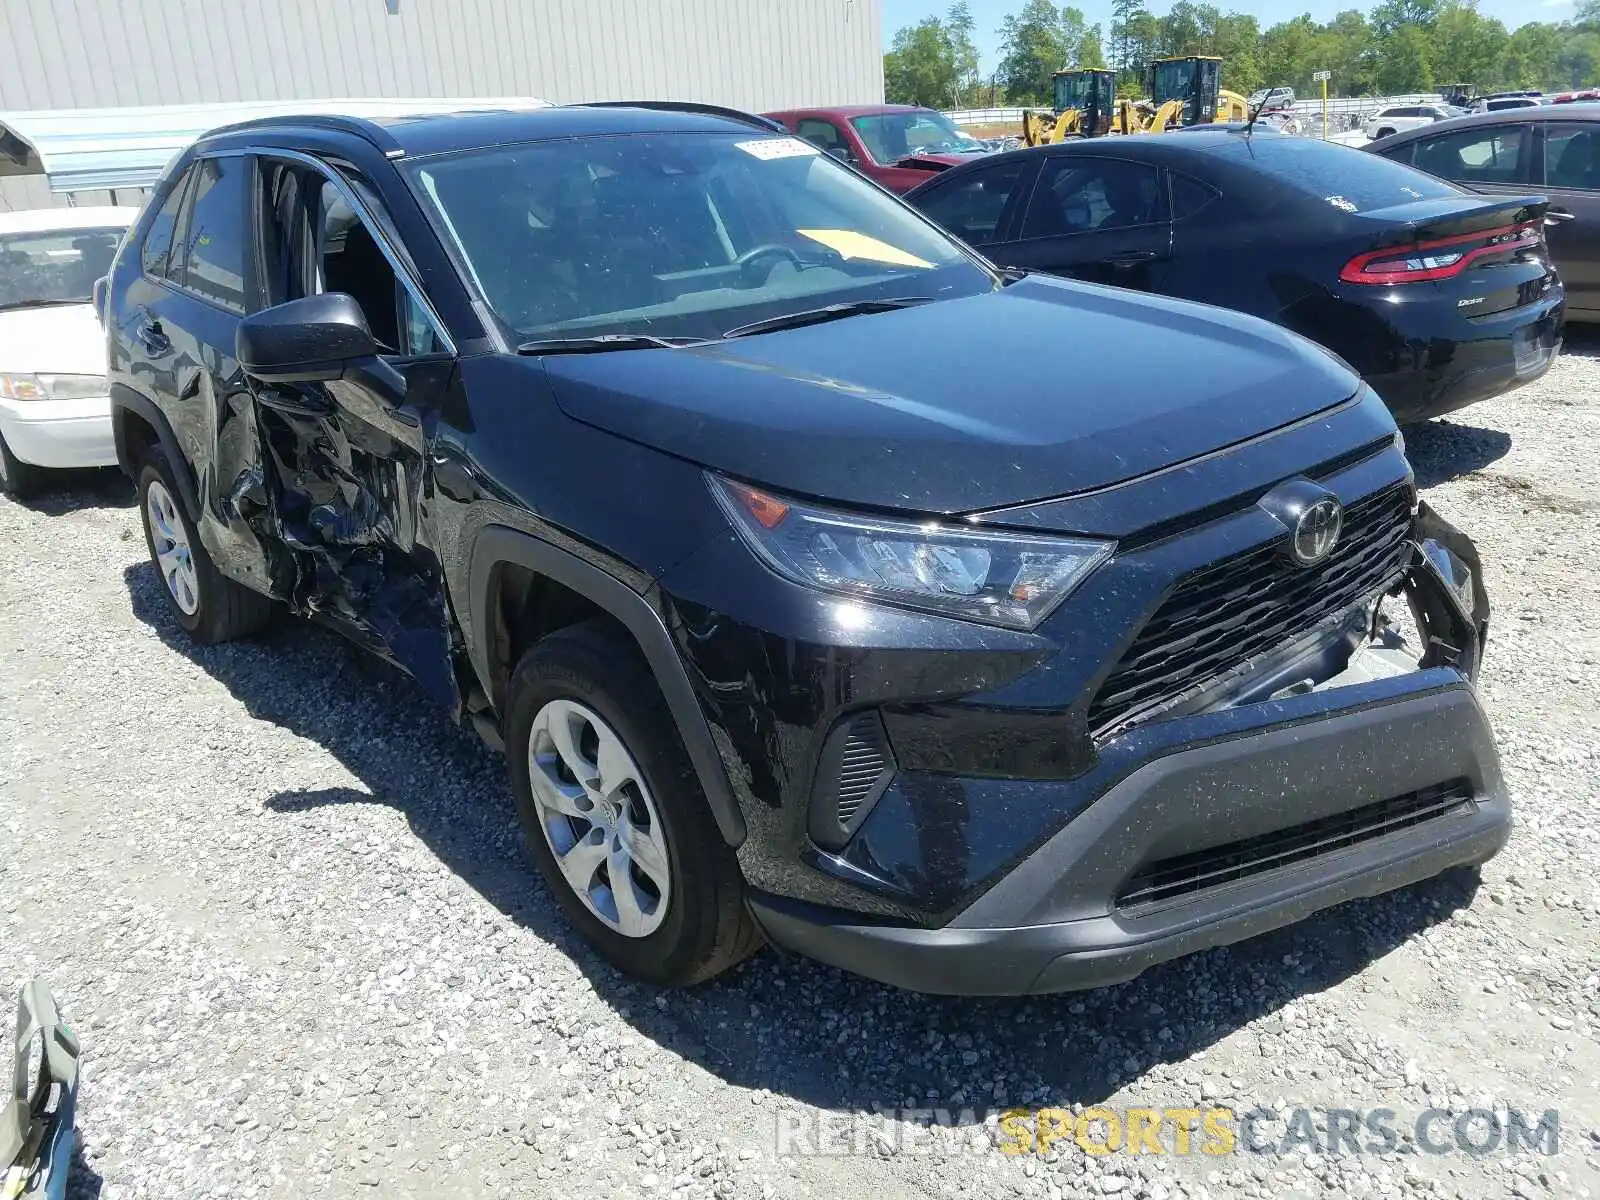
1558 216
1130 259
152 336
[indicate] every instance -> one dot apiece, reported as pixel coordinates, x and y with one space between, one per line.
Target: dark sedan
1550 149
1437 296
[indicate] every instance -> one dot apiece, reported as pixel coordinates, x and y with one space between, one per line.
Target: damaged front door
342 459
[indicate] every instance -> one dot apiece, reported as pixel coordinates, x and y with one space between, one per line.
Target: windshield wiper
43 303
828 312
600 342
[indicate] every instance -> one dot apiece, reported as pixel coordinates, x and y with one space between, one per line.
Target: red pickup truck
898 145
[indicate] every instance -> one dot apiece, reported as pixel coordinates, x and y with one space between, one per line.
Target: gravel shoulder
286 906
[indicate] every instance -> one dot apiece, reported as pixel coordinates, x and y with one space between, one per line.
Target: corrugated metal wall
752 54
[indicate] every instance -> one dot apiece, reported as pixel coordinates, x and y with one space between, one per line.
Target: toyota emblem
1312 516
1316 532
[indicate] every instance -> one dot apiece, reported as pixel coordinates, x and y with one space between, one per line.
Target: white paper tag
777 147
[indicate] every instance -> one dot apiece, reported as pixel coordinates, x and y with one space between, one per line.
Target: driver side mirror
310 340
842 153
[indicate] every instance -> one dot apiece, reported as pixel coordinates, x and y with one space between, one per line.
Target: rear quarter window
1342 177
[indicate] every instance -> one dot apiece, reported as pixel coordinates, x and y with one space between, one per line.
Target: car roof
40 220
1583 110
849 110
420 134
1192 147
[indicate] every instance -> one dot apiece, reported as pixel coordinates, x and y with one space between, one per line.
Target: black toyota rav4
669 453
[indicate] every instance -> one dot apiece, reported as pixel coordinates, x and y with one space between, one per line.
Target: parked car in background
897 145
1407 116
1437 296
54 409
659 447
1498 103
1268 100
1552 149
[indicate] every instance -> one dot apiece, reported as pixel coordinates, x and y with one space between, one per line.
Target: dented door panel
342 476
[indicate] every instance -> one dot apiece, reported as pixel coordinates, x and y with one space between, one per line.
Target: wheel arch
497 547
135 422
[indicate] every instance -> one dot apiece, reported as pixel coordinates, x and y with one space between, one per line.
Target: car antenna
1256 112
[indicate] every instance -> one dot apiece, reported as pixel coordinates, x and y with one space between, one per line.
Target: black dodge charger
1437 296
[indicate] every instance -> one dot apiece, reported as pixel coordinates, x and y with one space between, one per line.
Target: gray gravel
286 906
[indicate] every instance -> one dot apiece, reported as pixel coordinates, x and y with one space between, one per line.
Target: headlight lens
17 386
999 578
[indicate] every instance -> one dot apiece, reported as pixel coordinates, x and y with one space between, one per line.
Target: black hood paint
1041 389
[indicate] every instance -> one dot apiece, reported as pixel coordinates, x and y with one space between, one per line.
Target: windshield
56 266
890 137
1342 177
1080 89
1173 80
680 235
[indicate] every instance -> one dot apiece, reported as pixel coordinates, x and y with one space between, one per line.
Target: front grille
1227 613
1186 874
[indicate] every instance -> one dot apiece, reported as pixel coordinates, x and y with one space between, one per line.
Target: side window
417 332
1076 194
211 261
1402 153
351 262
158 238
971 207
1189 196
1482 155
1569 156
822 134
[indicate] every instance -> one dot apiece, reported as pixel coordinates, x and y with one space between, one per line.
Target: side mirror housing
304 341
842 153
101 286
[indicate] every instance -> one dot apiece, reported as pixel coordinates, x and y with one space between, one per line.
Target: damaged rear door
342 464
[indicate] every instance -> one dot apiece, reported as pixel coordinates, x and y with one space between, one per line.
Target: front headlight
999 578
19 386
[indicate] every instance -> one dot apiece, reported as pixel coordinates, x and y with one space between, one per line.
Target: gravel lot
286 907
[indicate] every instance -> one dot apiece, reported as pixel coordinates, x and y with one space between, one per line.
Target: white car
1498 103
1406 116
54 410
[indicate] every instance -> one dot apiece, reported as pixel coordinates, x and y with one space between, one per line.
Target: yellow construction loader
1188 91
1086 105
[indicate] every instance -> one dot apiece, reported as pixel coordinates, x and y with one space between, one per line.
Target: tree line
1399 46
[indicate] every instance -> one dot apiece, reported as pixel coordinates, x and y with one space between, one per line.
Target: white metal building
751 54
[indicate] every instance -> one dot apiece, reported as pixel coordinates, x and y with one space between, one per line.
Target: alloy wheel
598 817
171 541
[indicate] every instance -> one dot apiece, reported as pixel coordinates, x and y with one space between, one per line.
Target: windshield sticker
777 147
848 244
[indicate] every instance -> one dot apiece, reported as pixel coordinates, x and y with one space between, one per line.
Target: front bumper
1055 922
60 434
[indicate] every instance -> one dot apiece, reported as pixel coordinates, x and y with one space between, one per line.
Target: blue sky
987 14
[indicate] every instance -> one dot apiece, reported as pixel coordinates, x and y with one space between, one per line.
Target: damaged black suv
669 453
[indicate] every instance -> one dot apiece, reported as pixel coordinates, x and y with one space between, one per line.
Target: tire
591 677
207 605
18 479
1383 133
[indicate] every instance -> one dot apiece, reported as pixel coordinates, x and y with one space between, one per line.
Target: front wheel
208 605
613 813
18 479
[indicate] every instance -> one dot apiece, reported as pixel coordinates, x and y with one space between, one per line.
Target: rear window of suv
1345 178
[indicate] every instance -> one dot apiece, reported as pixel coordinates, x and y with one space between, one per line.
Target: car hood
63 339
1037 390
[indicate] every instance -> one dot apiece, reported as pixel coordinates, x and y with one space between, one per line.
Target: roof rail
690 106
369 131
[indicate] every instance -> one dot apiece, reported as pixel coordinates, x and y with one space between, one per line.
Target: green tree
1466 47
1403 64
1351 54
1237 41
1577 64
958 27
1530 57
1035 43
1090 53
1290 51
1126 16
921 66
